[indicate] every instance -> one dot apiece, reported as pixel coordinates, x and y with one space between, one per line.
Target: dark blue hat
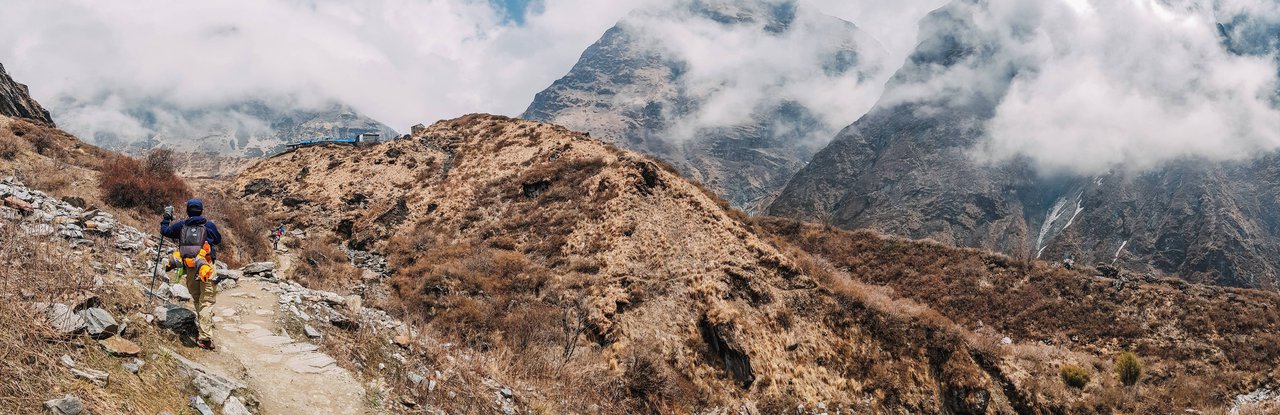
195 207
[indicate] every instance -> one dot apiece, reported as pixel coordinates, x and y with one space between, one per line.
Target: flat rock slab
310 363
120 347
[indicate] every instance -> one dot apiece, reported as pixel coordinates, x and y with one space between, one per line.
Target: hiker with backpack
196 256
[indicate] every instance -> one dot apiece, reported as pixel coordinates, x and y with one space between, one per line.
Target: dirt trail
289 376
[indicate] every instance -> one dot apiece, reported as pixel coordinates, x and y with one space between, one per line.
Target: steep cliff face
743 126
904 167
908 168
16 101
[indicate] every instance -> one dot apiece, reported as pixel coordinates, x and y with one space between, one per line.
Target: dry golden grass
33 271
603 282
599 281
320 264
1197 336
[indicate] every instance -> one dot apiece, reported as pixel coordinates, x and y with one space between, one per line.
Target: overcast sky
399 61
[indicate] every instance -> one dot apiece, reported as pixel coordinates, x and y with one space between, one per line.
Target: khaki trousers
203 295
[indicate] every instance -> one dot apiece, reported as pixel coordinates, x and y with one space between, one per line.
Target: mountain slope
909 168
485 217
646 85
15 101
502 236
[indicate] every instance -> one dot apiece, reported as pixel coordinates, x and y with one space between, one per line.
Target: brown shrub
11 147
161 161
320 264
128 183
648 382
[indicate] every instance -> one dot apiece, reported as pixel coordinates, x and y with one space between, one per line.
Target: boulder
64 320
99 323
227 284
179 291
259 187
178 319
119 347
133 365
200 406
258 268
1107 270
126 243
311 331
218 388
67 405
235 407
229 274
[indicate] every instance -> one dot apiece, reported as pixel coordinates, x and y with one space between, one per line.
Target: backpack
191 241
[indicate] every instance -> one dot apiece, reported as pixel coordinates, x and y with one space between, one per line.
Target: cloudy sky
399 61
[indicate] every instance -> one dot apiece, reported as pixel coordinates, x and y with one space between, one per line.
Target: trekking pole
155 271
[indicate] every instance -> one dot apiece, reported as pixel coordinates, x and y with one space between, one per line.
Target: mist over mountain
736 94
1107 132
97 65
249 128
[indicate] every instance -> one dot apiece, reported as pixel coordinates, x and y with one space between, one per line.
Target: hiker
276 235
196 256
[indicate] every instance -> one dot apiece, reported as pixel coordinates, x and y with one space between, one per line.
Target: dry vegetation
593 280
1203 345
601 281
146 185
33 271
323 265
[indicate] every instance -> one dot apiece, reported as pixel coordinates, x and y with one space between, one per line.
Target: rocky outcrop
16 101
634 88
39 214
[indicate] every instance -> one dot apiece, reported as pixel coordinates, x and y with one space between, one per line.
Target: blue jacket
211 234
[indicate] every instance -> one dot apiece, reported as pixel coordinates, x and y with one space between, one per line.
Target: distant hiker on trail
276 235
196 237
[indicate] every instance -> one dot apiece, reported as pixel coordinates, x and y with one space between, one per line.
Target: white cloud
399 61
1115 85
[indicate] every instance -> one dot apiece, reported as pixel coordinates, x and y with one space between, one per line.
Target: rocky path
289 376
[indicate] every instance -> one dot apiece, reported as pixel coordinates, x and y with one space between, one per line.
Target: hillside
81 333
909 168
592 279
645 86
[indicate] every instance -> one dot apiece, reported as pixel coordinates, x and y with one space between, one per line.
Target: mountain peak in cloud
735 94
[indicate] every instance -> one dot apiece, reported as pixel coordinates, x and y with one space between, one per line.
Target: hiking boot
205 343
